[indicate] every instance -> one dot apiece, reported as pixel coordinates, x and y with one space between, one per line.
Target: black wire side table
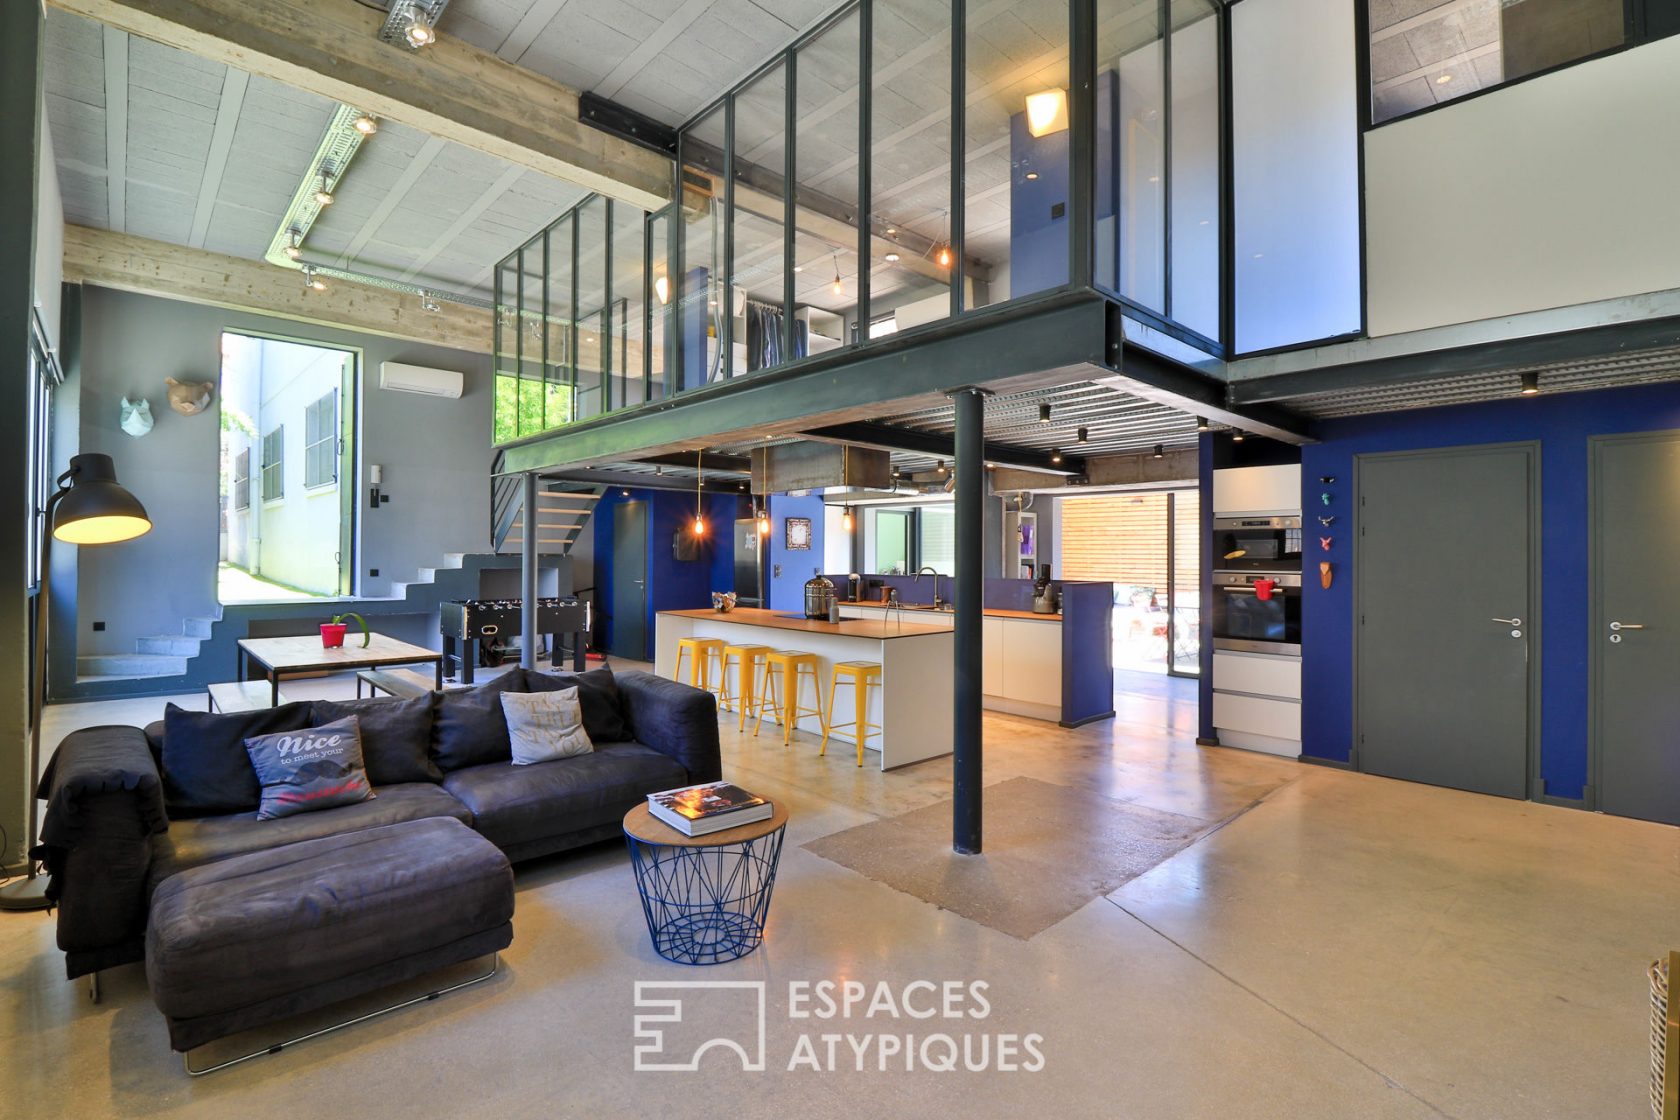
705 898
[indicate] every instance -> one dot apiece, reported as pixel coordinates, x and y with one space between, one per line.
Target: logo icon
676 1025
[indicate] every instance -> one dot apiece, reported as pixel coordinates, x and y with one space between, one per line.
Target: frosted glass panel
1194 181
1295 149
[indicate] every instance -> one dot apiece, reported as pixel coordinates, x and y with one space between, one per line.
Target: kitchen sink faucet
926 569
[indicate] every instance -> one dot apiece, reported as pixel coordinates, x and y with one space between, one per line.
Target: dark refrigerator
747 564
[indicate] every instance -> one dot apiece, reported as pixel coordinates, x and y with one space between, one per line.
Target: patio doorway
287 469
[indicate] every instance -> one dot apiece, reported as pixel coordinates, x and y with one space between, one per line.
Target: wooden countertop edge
866 628
989 612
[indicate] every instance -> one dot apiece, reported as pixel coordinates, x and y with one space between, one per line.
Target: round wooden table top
649 829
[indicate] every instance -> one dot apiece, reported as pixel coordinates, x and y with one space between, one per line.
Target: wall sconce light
1047 112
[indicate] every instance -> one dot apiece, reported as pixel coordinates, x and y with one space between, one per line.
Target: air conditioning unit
402 378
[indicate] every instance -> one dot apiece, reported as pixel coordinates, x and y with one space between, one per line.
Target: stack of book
713 807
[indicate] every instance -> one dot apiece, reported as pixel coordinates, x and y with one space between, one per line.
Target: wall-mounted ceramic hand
1325 574
1324 543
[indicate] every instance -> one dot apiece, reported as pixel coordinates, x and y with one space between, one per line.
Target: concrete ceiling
159 143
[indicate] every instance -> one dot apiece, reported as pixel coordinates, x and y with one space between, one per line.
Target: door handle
1507 621
1627 626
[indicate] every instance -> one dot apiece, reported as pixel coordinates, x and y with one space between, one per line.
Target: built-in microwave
1257 544
1257 612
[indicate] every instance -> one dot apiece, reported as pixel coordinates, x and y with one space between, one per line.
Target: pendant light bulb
838 288
699 493
846 519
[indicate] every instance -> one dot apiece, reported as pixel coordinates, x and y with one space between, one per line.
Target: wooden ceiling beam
155 268
451 89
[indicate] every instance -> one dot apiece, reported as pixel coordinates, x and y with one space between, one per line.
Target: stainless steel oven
1257 544
1257 612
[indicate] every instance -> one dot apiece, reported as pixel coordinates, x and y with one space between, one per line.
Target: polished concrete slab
1330 945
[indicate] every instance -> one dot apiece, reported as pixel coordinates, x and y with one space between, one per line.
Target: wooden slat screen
1118 537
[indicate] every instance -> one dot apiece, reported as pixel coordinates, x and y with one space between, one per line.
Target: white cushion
543 726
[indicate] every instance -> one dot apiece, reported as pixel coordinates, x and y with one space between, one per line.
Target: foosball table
469 624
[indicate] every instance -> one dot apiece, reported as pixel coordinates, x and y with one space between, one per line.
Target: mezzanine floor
1329 945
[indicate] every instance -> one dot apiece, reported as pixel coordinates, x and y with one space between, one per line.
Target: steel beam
528 637
889 437
1619 338
968 620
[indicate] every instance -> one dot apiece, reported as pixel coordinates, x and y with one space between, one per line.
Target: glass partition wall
901 163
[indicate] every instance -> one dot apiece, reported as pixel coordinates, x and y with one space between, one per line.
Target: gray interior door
1445 617
1635 624
629 589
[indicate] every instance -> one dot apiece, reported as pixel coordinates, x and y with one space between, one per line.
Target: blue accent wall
1038 235
1204 683
1561 424
672 584
787 591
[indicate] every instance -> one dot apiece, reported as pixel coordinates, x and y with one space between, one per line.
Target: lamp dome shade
95 509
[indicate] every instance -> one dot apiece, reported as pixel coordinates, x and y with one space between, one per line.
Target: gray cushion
515 805
309 770
469 729
205 840
396 736
230 934
205 767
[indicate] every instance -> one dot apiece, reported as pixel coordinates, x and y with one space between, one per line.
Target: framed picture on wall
796 534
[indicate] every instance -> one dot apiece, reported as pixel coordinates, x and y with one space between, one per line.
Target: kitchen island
914 705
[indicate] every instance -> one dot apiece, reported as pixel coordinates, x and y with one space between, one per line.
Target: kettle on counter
819 593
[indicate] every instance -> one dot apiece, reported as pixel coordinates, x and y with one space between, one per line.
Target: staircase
562 513
163 655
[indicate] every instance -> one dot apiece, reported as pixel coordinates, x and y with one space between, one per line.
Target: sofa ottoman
259 937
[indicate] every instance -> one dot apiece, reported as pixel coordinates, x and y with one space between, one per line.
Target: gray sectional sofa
127 808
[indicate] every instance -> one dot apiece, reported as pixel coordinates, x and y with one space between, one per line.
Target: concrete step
172 645
198 627
130 665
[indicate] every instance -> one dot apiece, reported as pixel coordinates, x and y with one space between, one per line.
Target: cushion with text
308 769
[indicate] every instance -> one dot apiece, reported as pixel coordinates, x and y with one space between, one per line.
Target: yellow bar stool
749 660
788 668
863 675
701 652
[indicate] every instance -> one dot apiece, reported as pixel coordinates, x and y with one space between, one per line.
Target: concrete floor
1340 946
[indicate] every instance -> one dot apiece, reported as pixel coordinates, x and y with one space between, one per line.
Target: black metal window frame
45 378
321 446
1638 28
274 464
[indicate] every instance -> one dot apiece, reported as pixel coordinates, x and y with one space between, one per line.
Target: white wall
1557 191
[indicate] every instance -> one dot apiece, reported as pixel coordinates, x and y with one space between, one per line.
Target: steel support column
967 655
528 572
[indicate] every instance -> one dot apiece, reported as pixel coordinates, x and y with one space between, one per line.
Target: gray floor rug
1048 850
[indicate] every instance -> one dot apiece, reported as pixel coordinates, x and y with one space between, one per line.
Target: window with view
320 441
273 465
1424 54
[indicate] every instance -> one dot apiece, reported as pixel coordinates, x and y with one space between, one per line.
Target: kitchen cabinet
1032 664
1257 702
991 660
1238 491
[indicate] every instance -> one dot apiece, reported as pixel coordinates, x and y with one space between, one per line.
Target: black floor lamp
88 507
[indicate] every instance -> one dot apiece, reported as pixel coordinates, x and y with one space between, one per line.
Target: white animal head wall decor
136 416
189 398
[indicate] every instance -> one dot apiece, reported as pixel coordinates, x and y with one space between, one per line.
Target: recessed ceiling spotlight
1160 451
1531 383
365 125
1202 424
1055 454
1044 413
799 268
1084 435
322 194
1236 435
1032 176
939 465
1443 79
892 258
892 231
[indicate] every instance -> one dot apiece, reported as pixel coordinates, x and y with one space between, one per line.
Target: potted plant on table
332 633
